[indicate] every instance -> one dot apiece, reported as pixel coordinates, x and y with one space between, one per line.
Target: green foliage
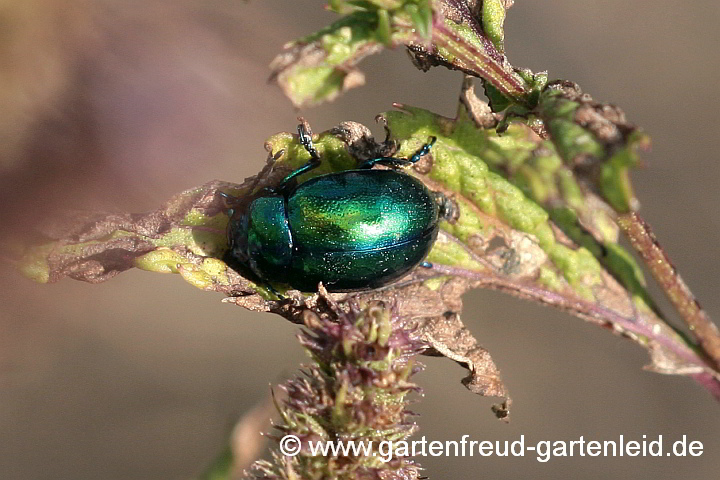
320 66
539 179
507 179
493 18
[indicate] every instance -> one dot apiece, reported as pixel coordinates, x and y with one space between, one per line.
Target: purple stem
591 311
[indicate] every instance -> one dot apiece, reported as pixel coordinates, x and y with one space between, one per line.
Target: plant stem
653 254
593 312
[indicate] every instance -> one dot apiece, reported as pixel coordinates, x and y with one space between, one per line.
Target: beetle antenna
423 151
306 141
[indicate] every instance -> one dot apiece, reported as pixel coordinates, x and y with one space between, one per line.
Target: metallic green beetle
351 230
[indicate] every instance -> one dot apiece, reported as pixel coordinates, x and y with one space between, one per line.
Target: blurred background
115 105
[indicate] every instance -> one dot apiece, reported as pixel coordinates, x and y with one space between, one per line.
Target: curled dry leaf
457 34
321 66
187 236
500 238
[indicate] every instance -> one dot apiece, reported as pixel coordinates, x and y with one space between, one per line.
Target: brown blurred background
118 104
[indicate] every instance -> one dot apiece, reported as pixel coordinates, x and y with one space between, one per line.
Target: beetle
351 230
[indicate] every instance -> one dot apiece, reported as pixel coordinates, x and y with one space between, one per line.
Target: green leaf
498 101
514 190
524 225
321 66
493 17
594 140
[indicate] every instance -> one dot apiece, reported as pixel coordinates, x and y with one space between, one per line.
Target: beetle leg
229 201
400 162
272 290
387 161
426 265
448 209
314 162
